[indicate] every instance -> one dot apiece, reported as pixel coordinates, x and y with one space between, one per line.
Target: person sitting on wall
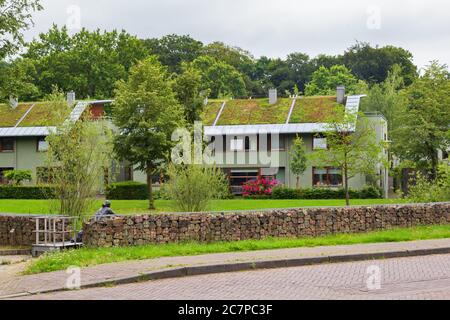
104 212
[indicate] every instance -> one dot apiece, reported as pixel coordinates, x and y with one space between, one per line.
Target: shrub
192 187
127 191
282 192
260 187
18 176
27 192
426 190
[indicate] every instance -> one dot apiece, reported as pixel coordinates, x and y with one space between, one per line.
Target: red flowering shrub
259 187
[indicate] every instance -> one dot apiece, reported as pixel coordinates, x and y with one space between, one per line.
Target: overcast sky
271 28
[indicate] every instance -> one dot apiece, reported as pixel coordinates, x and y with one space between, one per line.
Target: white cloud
272 28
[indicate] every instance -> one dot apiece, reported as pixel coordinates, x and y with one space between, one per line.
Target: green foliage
15 16
17 79
146 113
18 176
88 63
388 98
326 80
372 64
222 79
77 156
355 151
187 88
192 187
424 128
27 192
427 190
298 159
284 193
127 191
172 50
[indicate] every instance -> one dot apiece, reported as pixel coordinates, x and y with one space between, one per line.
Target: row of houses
251 137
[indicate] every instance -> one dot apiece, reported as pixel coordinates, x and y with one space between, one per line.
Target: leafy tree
16 79
174 49
373 64
354 151
325 81
77 155
146 113
88 63
298 159
220 78
426 190
388 98
424 128
187 88
15 16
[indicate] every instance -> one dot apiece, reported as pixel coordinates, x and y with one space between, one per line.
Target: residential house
254 137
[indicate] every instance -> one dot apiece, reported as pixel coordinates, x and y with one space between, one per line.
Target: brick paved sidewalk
124 272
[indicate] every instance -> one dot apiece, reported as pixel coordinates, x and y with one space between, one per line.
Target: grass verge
129 207
94 256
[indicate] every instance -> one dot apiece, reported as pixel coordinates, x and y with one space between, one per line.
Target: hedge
127 191
321 193
26 192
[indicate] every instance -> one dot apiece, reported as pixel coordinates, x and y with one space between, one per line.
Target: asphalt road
425 277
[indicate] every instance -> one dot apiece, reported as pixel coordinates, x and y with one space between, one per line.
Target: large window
327 177
239 177
6 145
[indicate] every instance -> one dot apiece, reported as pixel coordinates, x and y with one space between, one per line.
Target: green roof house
250 131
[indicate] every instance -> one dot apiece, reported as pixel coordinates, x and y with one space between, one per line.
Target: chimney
340 94
273 96
71 98
13 101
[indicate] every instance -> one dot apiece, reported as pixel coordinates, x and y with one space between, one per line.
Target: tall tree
354 151
298 159
424 126
146 113
372 64
187 88
174 49
220 78
324 81
15 16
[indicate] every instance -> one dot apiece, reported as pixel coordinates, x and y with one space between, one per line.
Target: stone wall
18 230
209 227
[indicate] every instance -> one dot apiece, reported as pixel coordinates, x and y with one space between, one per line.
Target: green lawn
94 256
137 207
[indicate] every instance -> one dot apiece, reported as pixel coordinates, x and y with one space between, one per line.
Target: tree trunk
298 182
347 191
151 201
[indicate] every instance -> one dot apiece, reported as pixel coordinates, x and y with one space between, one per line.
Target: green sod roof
259 111
313 109
41 115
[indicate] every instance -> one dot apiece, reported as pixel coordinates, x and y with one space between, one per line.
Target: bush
258 188
282 192
18 176
127 191
426 190
192 187
27 192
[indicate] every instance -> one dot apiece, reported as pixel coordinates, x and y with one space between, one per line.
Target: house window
7 145
42 145
327 177
320 143
239 177
2 175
